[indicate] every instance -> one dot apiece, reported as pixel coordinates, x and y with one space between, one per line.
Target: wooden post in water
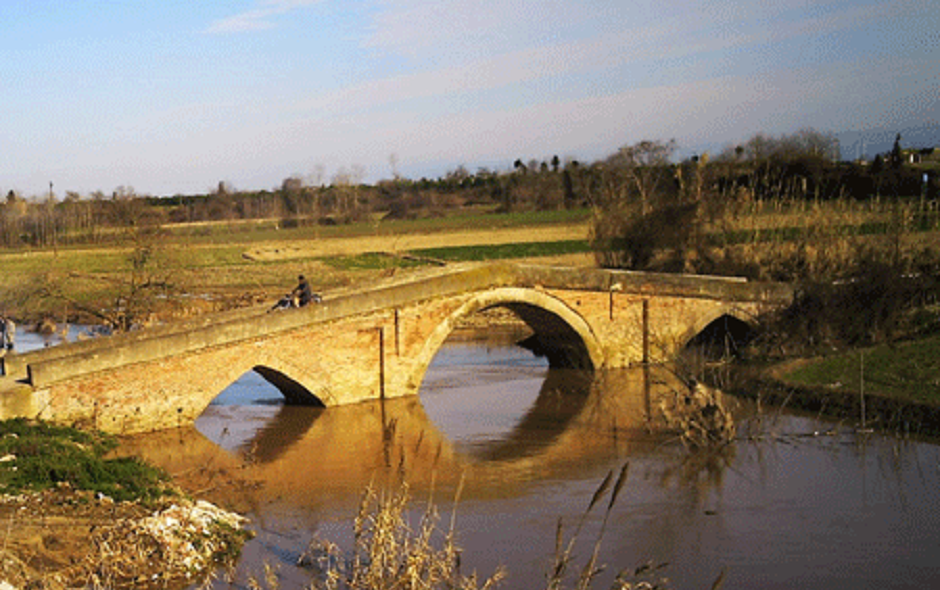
381 332
646 360
861 380
397 333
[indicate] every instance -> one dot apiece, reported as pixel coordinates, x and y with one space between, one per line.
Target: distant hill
871 142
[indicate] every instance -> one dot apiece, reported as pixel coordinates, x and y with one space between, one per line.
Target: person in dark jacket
302 294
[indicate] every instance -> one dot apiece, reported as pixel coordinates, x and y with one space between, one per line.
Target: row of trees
798 166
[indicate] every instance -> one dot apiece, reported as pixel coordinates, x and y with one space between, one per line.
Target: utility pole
52 218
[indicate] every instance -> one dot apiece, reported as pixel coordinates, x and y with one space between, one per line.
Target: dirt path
398 244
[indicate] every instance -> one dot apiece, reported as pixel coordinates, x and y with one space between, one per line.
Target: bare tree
641 172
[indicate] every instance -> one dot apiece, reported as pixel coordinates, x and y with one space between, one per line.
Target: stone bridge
375 343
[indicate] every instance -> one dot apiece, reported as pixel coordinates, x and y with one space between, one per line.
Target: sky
174 96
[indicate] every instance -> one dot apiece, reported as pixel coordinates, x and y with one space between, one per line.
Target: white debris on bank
189 531
184 540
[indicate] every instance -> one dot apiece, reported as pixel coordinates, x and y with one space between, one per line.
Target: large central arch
560 332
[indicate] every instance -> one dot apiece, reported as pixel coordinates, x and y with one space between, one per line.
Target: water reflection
304 455
794 502
569 422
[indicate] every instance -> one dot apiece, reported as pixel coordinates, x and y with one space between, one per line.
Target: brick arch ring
508 297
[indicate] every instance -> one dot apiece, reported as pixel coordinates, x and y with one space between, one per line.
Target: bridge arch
217 377
563 335
294 393
704 321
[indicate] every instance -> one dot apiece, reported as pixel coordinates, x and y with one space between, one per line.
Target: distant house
920 155
931 154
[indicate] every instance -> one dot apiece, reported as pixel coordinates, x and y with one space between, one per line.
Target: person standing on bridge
7 333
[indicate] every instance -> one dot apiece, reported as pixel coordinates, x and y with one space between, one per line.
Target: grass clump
372 261
483 252
35 456
699 417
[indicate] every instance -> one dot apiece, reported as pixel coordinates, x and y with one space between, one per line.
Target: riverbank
77 517
66 538
893 387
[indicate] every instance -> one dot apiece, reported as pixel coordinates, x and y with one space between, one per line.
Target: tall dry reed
389 552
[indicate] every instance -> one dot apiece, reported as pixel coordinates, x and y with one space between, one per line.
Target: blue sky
173 96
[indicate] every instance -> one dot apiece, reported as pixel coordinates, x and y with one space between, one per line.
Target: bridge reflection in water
310 456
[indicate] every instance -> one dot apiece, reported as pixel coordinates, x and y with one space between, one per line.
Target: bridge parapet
652 284
70 360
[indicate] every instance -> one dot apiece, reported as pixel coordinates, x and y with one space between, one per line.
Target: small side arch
727 326
294 393
567 338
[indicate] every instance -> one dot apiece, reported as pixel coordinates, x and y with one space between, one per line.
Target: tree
569 198
346 185
149 278
291 191
640 173
896 158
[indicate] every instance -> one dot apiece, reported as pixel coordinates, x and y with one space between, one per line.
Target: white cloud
257 18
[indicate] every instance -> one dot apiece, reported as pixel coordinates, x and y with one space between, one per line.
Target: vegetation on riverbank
893 386
863 349
81 518
908 370
36 456
864 253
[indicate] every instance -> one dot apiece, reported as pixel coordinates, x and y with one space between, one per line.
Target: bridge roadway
374 343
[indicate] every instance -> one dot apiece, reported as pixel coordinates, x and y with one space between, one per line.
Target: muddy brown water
794 502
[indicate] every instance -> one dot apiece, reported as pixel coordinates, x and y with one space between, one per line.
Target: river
794 502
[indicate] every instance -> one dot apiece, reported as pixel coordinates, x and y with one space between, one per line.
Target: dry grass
184 542
804 240
391 552
699 417
64 539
